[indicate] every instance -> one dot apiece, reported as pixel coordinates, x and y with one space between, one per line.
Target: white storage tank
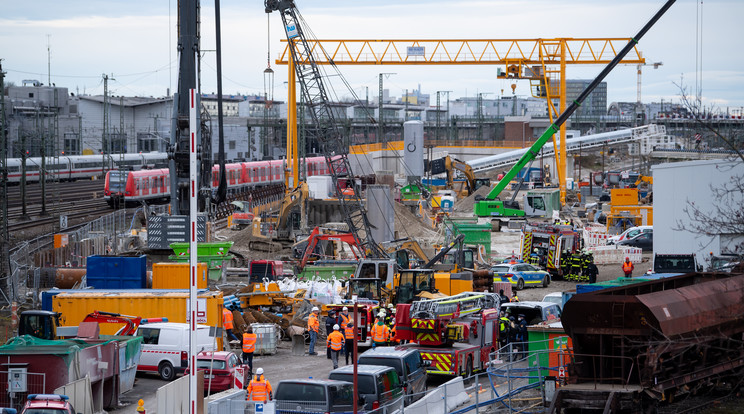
413 148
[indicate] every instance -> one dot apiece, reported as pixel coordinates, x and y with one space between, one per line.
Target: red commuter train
153 186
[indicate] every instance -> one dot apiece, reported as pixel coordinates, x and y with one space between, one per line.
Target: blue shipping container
117 272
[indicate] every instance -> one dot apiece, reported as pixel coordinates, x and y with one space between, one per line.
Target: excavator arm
131 323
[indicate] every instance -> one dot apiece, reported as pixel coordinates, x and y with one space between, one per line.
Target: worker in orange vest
313 326
335 341
350 336
380 331
259 389
343 319
227 323
628 267
249 347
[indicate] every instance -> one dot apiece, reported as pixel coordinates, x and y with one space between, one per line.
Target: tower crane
325 128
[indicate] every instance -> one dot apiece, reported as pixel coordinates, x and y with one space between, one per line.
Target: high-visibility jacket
335 341
503 324
312 323
380 333
249 342
259 389
515 298
392 334
344 320
627 267
349 332
227 319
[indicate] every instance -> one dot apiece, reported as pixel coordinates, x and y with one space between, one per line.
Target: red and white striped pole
193 252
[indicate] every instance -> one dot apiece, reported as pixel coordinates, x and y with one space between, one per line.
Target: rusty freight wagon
637 345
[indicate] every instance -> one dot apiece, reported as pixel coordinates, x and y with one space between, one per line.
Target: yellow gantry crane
542 61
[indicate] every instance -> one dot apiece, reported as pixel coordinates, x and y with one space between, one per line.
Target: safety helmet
336 327
390 305
345 308
381 314
259 371
535 250
315 309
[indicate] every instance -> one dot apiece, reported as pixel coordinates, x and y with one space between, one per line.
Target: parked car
4 410
534 312
221 369
409 365
630 233
378 385
165 347
47 404
521 275
303 396
644 241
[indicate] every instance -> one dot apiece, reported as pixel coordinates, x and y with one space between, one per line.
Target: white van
165 347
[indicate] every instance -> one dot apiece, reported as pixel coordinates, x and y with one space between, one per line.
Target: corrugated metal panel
697 308
176 276
75 306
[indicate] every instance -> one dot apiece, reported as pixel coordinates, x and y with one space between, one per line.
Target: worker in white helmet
259 389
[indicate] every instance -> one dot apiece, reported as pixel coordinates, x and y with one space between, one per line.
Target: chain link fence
102 236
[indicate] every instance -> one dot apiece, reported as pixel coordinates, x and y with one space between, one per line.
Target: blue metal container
117 272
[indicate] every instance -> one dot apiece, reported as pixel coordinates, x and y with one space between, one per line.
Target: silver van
314 396
409 365
379 386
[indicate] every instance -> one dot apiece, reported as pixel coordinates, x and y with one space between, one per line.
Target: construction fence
17 384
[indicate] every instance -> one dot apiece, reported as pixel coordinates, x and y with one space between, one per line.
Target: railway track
55 192
88 209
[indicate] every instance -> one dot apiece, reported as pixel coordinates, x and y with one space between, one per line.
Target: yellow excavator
275 233
449 166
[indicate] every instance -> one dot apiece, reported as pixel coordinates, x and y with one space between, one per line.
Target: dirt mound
466 204
407 224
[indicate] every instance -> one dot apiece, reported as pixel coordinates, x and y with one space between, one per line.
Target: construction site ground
284 365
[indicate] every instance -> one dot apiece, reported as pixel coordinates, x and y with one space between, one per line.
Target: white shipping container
678 184
320 186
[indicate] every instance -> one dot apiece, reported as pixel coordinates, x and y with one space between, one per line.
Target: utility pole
4 236
439 112
381 118
104 137
49 60
366 111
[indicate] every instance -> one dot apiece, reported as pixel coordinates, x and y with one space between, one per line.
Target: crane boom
326 130
492 207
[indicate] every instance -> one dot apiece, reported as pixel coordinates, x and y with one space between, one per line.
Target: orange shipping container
74 307
176 276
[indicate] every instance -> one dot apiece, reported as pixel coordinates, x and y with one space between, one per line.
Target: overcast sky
135 42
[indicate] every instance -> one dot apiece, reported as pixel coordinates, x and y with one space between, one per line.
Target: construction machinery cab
39 323
364 288
412 283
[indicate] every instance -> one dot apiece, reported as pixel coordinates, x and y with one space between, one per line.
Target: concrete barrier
80 395
441 400
615 254
227 402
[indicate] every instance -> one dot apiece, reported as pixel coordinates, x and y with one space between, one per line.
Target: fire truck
552 242
455 333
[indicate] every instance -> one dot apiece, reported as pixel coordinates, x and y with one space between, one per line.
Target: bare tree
727 214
